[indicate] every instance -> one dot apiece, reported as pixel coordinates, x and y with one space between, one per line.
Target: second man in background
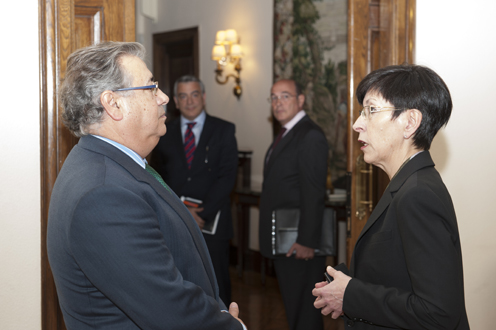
295 177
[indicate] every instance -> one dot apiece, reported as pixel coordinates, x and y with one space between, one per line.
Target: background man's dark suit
121 220
211 179
408 257
295 177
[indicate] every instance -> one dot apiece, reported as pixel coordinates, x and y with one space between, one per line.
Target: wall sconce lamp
227 50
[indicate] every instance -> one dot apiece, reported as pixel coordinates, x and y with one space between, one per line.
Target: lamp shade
218 52
236 51
231 36
220 37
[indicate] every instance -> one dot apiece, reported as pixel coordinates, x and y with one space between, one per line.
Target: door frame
380 33
56 42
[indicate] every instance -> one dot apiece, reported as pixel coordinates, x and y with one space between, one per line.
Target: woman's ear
110 103
414 118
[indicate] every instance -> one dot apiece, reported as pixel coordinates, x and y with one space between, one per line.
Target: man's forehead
284 86
190 86
137 68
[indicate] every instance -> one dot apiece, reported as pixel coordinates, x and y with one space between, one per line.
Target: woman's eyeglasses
368 110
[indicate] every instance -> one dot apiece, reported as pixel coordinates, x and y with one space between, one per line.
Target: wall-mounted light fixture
227 50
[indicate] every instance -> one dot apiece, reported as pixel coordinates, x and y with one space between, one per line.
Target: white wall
20 294
455 38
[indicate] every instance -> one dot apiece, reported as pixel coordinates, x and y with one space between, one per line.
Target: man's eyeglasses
153 87
283 97
368 110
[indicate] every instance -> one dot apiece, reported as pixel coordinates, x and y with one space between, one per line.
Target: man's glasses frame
153 87
284 97
370 109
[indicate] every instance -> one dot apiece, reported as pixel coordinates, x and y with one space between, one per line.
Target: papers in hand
210 227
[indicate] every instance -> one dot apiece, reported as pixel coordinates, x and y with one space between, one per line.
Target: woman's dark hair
412 87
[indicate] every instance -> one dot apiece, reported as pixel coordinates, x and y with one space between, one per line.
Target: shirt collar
200 120
289 125
132 154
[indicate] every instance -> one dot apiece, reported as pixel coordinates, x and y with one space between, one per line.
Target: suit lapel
201 148
420 161
140 174
283 143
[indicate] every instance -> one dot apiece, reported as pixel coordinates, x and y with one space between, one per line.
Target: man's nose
162 98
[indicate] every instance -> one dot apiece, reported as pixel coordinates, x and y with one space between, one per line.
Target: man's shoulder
218 121
307 126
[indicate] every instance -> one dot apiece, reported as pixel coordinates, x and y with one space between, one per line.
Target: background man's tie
189 144
276 141
157 176
279 137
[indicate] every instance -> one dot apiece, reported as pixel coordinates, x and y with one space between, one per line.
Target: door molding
57 40
380 33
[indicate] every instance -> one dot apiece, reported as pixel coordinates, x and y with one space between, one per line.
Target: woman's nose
358 125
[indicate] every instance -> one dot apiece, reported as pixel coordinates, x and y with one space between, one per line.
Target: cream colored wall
253 22
456 39
20 292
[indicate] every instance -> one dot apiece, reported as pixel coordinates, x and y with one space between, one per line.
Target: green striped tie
157 176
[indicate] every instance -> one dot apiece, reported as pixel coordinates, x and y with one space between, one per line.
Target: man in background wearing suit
124 251
294 177
198 158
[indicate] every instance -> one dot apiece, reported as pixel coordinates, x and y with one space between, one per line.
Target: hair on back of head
91 71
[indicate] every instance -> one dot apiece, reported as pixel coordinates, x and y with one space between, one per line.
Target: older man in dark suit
124 251
198 158
295 177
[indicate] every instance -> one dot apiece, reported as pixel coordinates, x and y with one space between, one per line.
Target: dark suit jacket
125 252
295 177
407 263
213 171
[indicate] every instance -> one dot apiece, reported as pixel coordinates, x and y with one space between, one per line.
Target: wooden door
66 25
380 33
175 53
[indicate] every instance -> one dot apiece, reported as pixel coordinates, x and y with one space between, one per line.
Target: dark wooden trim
380 33
165 44
56 43
49 37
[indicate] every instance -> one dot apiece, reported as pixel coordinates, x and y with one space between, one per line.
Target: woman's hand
330 296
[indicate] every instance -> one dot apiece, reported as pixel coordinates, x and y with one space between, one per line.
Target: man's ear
301 101
414 118
110 103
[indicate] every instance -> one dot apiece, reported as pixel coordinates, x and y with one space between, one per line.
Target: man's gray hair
91 71
187 79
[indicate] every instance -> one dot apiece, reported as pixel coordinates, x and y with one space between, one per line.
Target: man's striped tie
189 144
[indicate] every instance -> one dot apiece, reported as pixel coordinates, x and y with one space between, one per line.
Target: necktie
276 141
189 144
157 176
279 137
